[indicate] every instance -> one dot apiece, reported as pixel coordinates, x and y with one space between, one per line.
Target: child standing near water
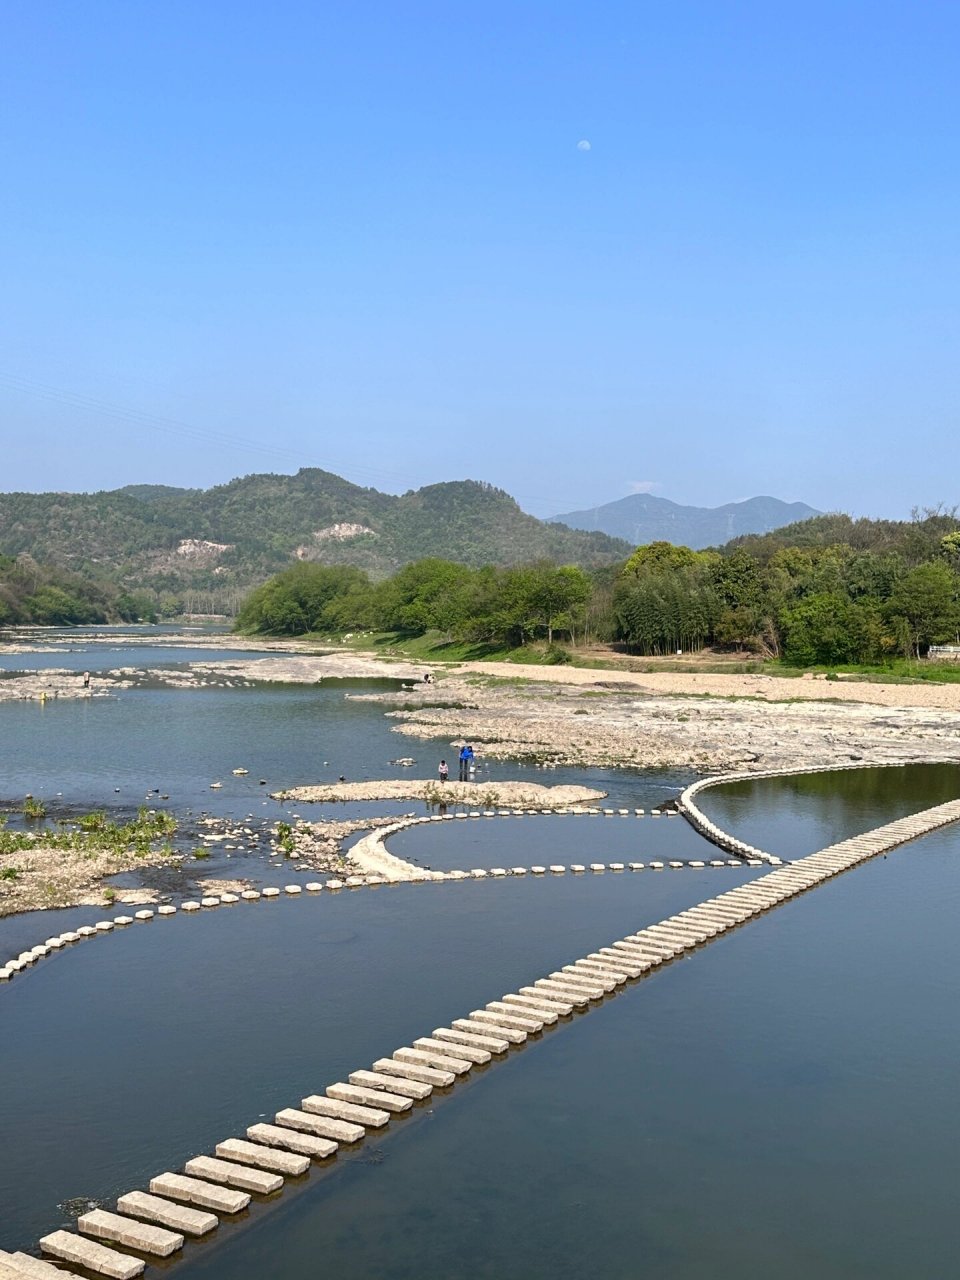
443 770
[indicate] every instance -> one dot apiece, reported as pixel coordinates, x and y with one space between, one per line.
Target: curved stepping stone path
157 1223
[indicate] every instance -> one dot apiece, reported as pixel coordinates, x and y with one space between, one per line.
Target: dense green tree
926 599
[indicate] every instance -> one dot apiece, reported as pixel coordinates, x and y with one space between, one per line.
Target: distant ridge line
641 518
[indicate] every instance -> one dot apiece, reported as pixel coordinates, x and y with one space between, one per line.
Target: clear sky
707 249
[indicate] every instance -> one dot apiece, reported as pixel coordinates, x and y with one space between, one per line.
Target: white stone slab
475 1039
437 1079
191 1222
463 1051
114 1227
194 1191
511 1034
406 1088
367 1097
261 1181
320 1125
317 1105
418 1057
25 1265
287 1139
252 1153
539 1007
500 1011
571 993
95 1257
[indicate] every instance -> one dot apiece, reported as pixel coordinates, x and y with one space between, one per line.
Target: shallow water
798 815
779 1103
106 648
133 1051
559 838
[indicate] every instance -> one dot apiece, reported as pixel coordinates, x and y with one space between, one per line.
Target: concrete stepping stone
190 906
436 1078
421 1058
495 1029
493 1044
117 1229
94 1257
570 993
596 986
414 1089
271 893
261 1181
600 969
595 973
364 1096
103 926
321 1126
250 895
209 902
539 1006
524 1020
318 1105
166 910
274 1135
621 962
462 1051
143 915
207 1195
25 1265
190 1222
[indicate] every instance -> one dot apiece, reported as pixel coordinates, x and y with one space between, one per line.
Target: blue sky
373 237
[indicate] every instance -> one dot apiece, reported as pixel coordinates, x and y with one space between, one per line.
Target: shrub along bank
803 595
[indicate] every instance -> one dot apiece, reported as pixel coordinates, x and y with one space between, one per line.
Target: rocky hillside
235 535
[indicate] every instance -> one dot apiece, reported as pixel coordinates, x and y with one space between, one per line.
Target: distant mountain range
642 518
227 539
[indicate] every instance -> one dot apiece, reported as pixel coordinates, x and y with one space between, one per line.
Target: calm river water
780 1103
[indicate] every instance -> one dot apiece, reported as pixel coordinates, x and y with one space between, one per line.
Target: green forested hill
217 543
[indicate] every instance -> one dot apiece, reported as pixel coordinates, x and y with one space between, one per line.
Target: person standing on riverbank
444 771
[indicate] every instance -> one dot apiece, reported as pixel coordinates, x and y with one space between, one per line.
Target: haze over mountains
642 518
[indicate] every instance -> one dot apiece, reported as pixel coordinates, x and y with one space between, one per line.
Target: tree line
828 591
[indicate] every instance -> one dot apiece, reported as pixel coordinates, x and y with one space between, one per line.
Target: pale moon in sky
583 145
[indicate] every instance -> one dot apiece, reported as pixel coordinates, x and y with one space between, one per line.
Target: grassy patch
139 836
895 671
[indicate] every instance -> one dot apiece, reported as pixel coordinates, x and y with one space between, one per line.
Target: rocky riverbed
709 723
